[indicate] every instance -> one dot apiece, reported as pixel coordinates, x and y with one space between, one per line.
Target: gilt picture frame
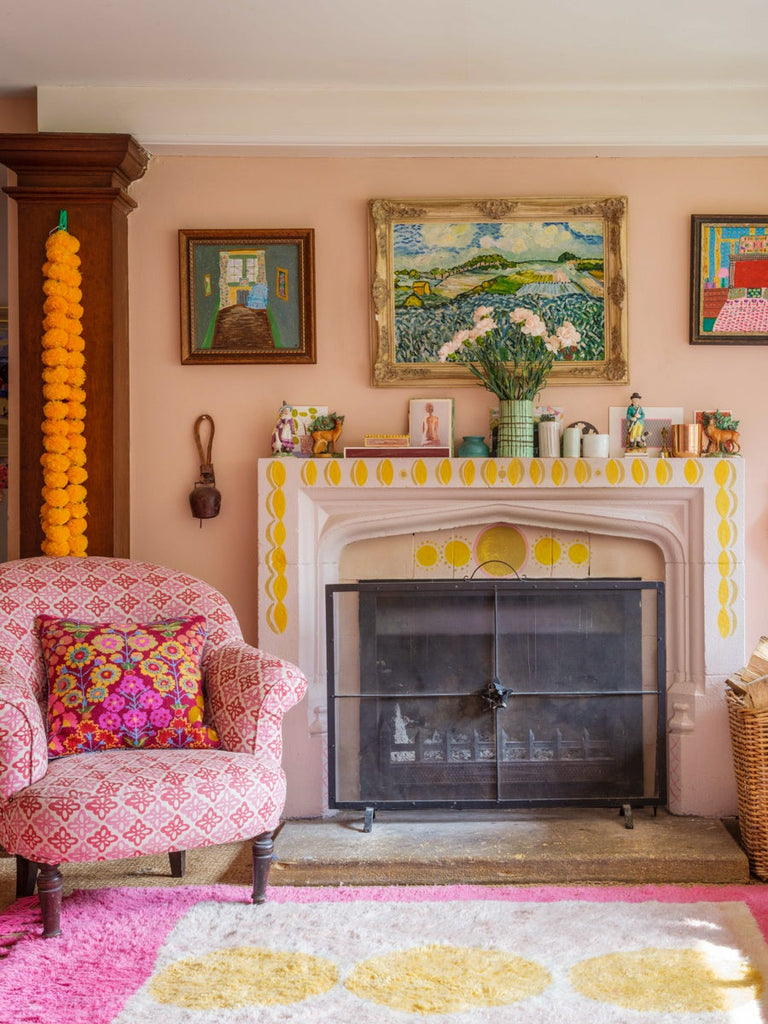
729 279
434 260
247 296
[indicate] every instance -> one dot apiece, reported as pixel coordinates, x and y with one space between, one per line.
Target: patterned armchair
119 803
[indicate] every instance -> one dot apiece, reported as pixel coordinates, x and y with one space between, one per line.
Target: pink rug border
76 958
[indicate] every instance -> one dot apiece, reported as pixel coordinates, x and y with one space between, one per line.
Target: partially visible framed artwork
247 296
435 261
430 423
729 279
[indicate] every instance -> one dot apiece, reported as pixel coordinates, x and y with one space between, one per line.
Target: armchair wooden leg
49 892
178 861
26 876
263 846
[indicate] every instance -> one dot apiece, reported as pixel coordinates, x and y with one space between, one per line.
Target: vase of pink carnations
512 359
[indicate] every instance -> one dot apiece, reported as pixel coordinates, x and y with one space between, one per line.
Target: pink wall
330 195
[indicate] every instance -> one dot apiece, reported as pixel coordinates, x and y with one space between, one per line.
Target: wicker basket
749 740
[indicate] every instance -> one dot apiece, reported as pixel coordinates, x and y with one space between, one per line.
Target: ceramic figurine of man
636 433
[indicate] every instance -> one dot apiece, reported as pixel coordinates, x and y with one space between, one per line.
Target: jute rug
386 955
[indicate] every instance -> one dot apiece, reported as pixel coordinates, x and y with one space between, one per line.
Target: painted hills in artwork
430 306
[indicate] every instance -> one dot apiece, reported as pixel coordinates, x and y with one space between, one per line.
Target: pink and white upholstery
116 804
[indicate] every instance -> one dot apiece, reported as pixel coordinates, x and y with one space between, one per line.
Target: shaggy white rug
391 955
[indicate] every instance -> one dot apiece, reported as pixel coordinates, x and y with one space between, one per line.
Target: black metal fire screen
480 693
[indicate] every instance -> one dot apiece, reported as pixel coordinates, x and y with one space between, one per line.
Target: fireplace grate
575 669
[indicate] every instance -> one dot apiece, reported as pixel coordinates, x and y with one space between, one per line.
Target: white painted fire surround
693 510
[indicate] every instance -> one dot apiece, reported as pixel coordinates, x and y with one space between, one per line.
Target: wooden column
86 175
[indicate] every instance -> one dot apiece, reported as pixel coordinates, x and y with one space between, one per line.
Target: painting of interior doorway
247 296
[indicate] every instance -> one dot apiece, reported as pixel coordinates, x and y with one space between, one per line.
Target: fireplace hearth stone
560 846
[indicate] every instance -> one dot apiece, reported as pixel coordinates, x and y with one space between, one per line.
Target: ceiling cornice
577 122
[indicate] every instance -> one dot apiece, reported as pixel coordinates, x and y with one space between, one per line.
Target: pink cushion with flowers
129 685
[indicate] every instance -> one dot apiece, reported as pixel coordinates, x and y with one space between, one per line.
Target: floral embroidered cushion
124 685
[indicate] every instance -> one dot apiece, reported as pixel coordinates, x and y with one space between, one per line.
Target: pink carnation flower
568 335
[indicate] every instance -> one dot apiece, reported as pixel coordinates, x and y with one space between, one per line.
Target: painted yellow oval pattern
359 473
279 534
276 502
663 472
536 471
309 472
444 472
725 592
489 472
692 471
640 472
724 502
725 622
726 563
419 473
614 472
333 472
725 533
582 471
276 562
385 472
277 617
515 472
559 473
723 472
467 473
276 473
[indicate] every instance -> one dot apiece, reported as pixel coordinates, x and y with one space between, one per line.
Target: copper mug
686 440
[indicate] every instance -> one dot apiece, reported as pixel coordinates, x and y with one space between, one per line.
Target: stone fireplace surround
692 510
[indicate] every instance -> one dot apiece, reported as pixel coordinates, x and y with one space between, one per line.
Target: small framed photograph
729 279
656 420
247 296
430 423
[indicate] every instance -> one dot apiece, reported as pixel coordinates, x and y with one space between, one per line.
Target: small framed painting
729 280
431 423
247 296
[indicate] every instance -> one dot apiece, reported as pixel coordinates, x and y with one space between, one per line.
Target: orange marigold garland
63 460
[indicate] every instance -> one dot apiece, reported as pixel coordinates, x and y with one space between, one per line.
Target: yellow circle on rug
243 976
446 979
655 980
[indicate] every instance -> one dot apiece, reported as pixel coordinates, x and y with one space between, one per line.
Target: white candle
596 446
572 442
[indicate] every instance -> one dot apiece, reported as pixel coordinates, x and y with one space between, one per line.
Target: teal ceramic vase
473 447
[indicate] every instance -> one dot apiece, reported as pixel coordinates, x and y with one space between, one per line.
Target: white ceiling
399 48
387 43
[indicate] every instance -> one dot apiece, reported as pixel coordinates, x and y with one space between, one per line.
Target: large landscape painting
436 262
